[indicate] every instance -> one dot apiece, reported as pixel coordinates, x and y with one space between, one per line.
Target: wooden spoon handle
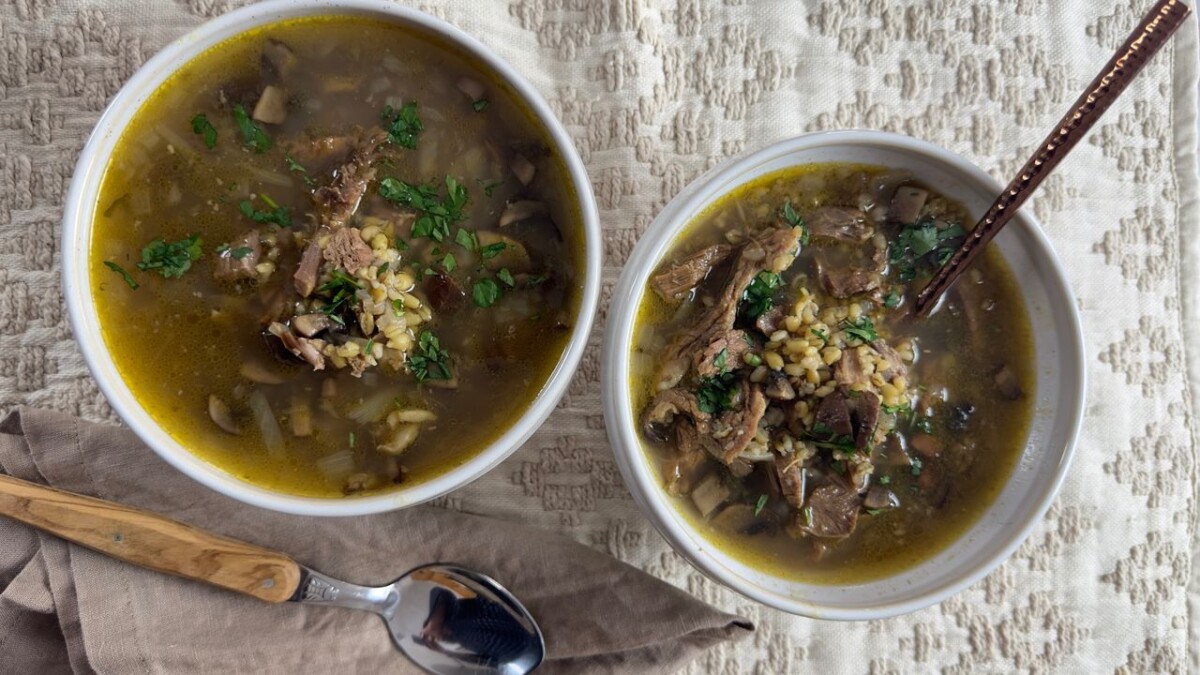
1143 43
151 541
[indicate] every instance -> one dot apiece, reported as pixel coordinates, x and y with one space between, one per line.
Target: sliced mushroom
272 106
402 437
517 211
709 494
301 416
523 169
906 204
879 497
927 446
219 412
309 325
514 255
778 387
278 60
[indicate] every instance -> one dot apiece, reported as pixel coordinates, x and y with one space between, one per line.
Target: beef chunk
734 429
237 262
832 511
769 321
839 223
664 410
444 293
850 414
347 250
674 283
308 270
791 477
308 349
907 202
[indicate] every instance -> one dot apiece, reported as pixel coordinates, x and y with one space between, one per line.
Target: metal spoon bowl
447 619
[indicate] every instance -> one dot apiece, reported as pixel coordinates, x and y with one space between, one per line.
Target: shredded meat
308 270
734 343
346 249
840 223
674 283
338 201
235 263
842 280
832 511
848 370
666 407
774 250
734 429
895 365
791 480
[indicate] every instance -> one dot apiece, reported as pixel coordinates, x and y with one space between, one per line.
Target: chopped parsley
404 125
506 276
759 296
241 252
823 334
449 263
891 300
720 361
121 271
253 136
917 466
885 480
492 250
383 268
351 440
860 329
274 214
293 165
170 259
338 290
369 348
789 215
922 247
480 105
902 410
466 239
923 424
485 292
874 512
762 502
716 393
431 362
436 213
202 127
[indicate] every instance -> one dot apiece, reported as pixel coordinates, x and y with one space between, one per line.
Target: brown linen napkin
66 609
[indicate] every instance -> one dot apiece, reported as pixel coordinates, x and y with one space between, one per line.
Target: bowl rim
627 447
77 228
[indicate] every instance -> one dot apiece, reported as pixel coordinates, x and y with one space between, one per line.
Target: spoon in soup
446 619
1142 44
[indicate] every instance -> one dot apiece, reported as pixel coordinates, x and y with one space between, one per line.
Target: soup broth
805 421
332 255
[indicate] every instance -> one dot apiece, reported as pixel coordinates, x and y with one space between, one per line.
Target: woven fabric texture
654 92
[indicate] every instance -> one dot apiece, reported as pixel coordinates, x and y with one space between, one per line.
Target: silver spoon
446 619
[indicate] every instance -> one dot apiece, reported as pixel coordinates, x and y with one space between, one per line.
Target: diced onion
267 424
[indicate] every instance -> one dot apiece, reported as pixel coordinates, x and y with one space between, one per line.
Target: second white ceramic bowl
1058 404
77 229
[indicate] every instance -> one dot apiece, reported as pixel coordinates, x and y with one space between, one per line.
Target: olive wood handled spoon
1143 43
445 618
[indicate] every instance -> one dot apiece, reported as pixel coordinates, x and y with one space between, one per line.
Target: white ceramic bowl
77 229
1058 406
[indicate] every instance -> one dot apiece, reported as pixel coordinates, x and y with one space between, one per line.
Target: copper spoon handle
1142 44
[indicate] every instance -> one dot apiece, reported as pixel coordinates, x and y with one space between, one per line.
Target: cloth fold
67 609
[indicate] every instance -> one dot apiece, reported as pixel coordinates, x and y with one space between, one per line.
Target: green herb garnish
789 215
480 105
821 333
492 250
922 246
173 259
485 292
274 213
338 290
762 502
759 296
449 263
506 276
241 252
860 329
716 393
383 269
253 136
891 300
917 466
436 213
466 239
489 186
431 362
719 362
404 125
202 127
121 271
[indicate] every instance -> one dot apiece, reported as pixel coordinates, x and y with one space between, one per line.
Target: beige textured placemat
654 92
